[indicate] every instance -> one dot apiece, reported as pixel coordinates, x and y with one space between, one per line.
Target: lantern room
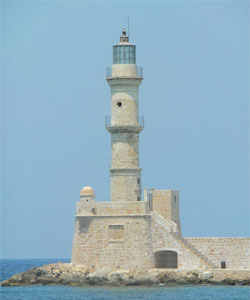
124 52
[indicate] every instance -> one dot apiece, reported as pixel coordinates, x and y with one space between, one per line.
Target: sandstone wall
166 203
125 172
112 208
234 251
125 185
163 240
127 93
125 150
113 241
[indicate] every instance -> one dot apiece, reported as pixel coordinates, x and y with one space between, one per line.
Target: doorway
166 259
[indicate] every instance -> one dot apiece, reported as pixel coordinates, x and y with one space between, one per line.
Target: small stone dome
87 191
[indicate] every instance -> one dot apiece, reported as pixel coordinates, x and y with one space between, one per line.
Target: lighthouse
124 124
128 232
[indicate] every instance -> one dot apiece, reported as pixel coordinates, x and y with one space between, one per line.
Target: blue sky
194 99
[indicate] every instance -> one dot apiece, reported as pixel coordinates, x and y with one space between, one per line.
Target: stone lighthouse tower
129 232
124 125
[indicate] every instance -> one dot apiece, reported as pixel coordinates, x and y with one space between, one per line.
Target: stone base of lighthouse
146 234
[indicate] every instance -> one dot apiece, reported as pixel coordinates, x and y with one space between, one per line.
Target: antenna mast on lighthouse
128 28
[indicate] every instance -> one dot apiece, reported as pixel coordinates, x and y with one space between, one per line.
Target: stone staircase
170 228
166 224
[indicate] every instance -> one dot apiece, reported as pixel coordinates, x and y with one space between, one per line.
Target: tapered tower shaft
124 79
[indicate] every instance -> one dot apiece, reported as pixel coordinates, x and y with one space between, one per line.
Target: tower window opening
138 180
174 198
119 104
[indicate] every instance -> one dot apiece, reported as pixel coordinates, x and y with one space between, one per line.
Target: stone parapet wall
122 208
234 251
112 208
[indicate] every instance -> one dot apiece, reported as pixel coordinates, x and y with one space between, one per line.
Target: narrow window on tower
138 180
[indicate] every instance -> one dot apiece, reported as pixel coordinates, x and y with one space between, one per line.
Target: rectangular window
116 233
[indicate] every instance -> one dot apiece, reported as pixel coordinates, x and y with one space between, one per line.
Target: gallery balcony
124 124
136 75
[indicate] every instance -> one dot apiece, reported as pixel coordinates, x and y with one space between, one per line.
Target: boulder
47 280
205 275
99 276
119 277
147 277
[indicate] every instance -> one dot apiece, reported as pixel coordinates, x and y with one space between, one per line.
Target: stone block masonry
113 241
235 252
135 234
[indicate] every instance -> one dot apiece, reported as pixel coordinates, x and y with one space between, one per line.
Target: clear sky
194 98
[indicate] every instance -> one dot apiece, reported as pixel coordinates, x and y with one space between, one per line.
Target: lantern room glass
124 54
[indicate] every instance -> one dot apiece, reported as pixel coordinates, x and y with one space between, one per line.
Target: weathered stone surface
99 276
119 276
147 277
205 275
70 274
234 251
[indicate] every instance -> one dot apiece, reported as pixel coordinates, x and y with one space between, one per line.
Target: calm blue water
11 267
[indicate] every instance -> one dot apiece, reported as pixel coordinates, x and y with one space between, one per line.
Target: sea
10 267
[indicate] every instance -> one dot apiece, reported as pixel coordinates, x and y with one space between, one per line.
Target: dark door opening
223 264
166 259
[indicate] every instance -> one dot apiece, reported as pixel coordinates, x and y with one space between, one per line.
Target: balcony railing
124 121
139 73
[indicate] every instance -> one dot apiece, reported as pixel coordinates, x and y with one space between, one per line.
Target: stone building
132 231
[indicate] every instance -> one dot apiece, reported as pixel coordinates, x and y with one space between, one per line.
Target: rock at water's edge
70 274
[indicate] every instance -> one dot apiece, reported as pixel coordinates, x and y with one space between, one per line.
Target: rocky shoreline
70 274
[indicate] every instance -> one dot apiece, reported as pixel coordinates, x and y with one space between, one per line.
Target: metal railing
108 72
139 73
124 120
